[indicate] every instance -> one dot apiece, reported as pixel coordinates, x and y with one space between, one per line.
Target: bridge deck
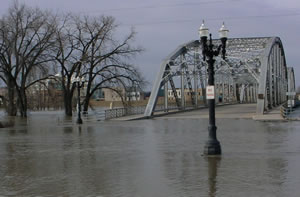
245 111
237 111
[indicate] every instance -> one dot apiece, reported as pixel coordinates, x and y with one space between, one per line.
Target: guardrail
119 112
285 110
135 110
100 115
115 113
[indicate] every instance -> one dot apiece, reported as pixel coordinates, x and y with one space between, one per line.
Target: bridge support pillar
251 93
237 93
248 94
196 89
234 92
223 93
182 89
255 92
227 92
166 97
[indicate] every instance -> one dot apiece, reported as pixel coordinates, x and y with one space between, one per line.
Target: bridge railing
120 112
285 110
135 110
114 113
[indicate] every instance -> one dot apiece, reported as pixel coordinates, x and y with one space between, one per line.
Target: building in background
46 94
187 94
130 94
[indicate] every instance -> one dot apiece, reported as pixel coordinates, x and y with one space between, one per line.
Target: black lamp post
79 82
212 146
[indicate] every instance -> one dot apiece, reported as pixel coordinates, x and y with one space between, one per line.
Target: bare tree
107 66
65 54
25 39
86 47
32 41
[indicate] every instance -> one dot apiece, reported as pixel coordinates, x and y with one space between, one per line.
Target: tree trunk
68 103
11 107
86 104
23 103
87 96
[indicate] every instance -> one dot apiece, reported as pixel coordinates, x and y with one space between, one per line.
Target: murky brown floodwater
52 156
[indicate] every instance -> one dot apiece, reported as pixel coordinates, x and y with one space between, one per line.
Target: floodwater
49 155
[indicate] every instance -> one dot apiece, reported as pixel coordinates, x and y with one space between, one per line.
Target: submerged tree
86 47
26 37
33 41
65 52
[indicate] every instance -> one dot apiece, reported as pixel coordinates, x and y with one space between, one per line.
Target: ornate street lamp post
212 146
79 82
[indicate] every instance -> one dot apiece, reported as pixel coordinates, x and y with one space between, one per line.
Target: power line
213 19
161 6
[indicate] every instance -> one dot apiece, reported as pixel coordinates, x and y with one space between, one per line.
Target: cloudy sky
162 25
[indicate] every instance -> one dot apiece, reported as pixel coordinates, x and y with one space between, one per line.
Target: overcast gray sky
162 25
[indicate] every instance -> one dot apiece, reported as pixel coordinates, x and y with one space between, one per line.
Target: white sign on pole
291 93
210 92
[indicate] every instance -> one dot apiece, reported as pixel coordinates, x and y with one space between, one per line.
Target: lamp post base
79 121
212 147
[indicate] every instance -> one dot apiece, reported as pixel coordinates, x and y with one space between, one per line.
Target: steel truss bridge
254 71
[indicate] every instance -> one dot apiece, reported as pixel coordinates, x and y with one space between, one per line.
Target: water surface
49 155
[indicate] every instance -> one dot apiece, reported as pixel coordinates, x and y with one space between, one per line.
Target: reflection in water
68 130
213 164
148 158
79 129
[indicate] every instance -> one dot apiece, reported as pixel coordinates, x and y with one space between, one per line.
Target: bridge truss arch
254 71
291 80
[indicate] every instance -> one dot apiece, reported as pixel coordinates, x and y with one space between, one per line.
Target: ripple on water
55 157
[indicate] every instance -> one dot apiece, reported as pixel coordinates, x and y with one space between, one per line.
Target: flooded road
49 155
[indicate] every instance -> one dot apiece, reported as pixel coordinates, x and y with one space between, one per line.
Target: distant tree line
36 44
